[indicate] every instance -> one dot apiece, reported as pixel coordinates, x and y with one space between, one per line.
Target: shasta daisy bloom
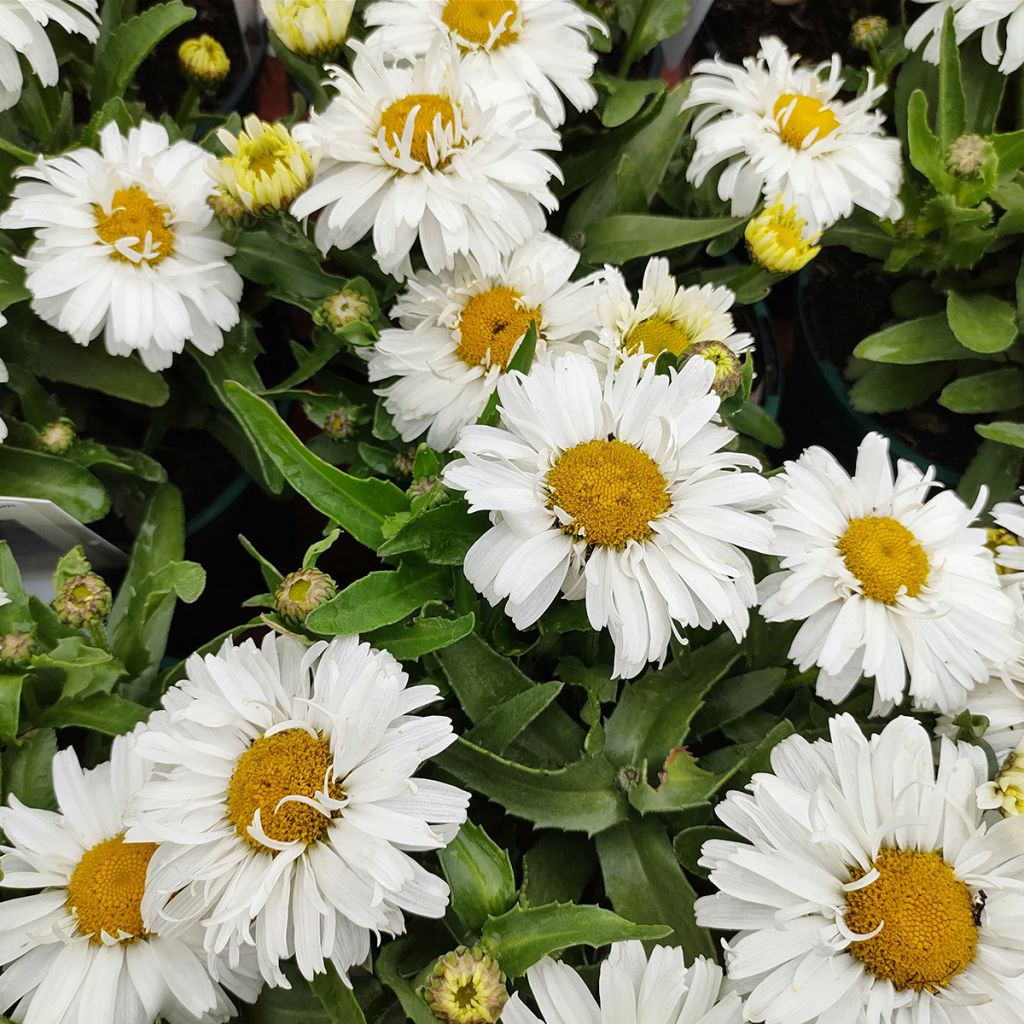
265 169
22 32
633 987
988 17
286 803
892 585
82 948
126 246
867 887
927 25
310 28
666 317
410 152
781 130
460 328
777 239
537 47
618 492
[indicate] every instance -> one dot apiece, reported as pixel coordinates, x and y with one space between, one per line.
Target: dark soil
813 28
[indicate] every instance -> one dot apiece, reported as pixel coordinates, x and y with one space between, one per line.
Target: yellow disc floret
291 763
478 21
432 111
491 325
885 556
928 933
656 335
798 117
610 490
136 226
777 239
106 889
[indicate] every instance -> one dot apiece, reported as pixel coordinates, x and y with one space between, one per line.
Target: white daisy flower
22 32
868 889
892 585
928 26
509 47
616 492
1008 539
783 131
633 988
410 152
1002 705
83 948
459 329
665 317
987 17
287 805
126 245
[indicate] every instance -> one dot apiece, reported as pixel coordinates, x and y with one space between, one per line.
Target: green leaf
357 505
995 467
10 704
682 785
294 271
734 697
578 798
982 322
28 769
888 387
272 576
442 534
28 474
985 392
337 998
295 1005
423 636
15 615
688 844
387 969
984 85
479 875
752 420
379 599
104 713
952 105
556 869
627 99
525 935
628 236
924 340
1009 149
926 153
645 883
653 21
130 44
501 726
1004 432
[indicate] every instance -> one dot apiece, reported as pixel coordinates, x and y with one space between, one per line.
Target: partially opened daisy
616 491
633 988
782 131
83 949
1007 539
287 806
537 47
666 317
126 246
866 887
459 330
23 25
409 152
892 585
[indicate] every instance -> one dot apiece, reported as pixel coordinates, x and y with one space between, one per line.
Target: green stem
24 155
189 107
97 636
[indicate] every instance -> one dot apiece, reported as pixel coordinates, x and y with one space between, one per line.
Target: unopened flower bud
628 777
966 154
728 369
16 647
1006 792
869 32
230 213
341 309
203 61
83 600
424 485
302 591
404 462
466 986
57 437
338 424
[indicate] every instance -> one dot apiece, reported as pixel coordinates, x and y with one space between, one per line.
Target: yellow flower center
656 335
430 108
885 557
475 20
611 490
808 115
136 226
286 764
997 537
928 935
106 889
491 325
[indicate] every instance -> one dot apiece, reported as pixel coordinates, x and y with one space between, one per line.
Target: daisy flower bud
83 600
341 309
338 424
309 28
57 437
15 647
466 986
302 591
966 155
778 240
869 32
230 213
1006 791
203 62
728 369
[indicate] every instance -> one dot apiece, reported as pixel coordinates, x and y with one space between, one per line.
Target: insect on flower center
286 764
610 490
476 20
656 335
929 933
491 325
885 557
106 889
432 111
806 116
136 226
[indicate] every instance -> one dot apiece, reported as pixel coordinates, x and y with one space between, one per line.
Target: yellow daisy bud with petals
309 28
778 241
203 61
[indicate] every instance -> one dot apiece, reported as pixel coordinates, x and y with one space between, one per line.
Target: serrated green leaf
981 322
682 784
925 340
735 696
627 236
479 874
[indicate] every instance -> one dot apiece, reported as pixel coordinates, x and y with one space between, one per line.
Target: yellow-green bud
1006 791
230 213
203 61
869 32
966 155
728 369
341 309
302 591
83 600
338 424
16 647
466 986
57 437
